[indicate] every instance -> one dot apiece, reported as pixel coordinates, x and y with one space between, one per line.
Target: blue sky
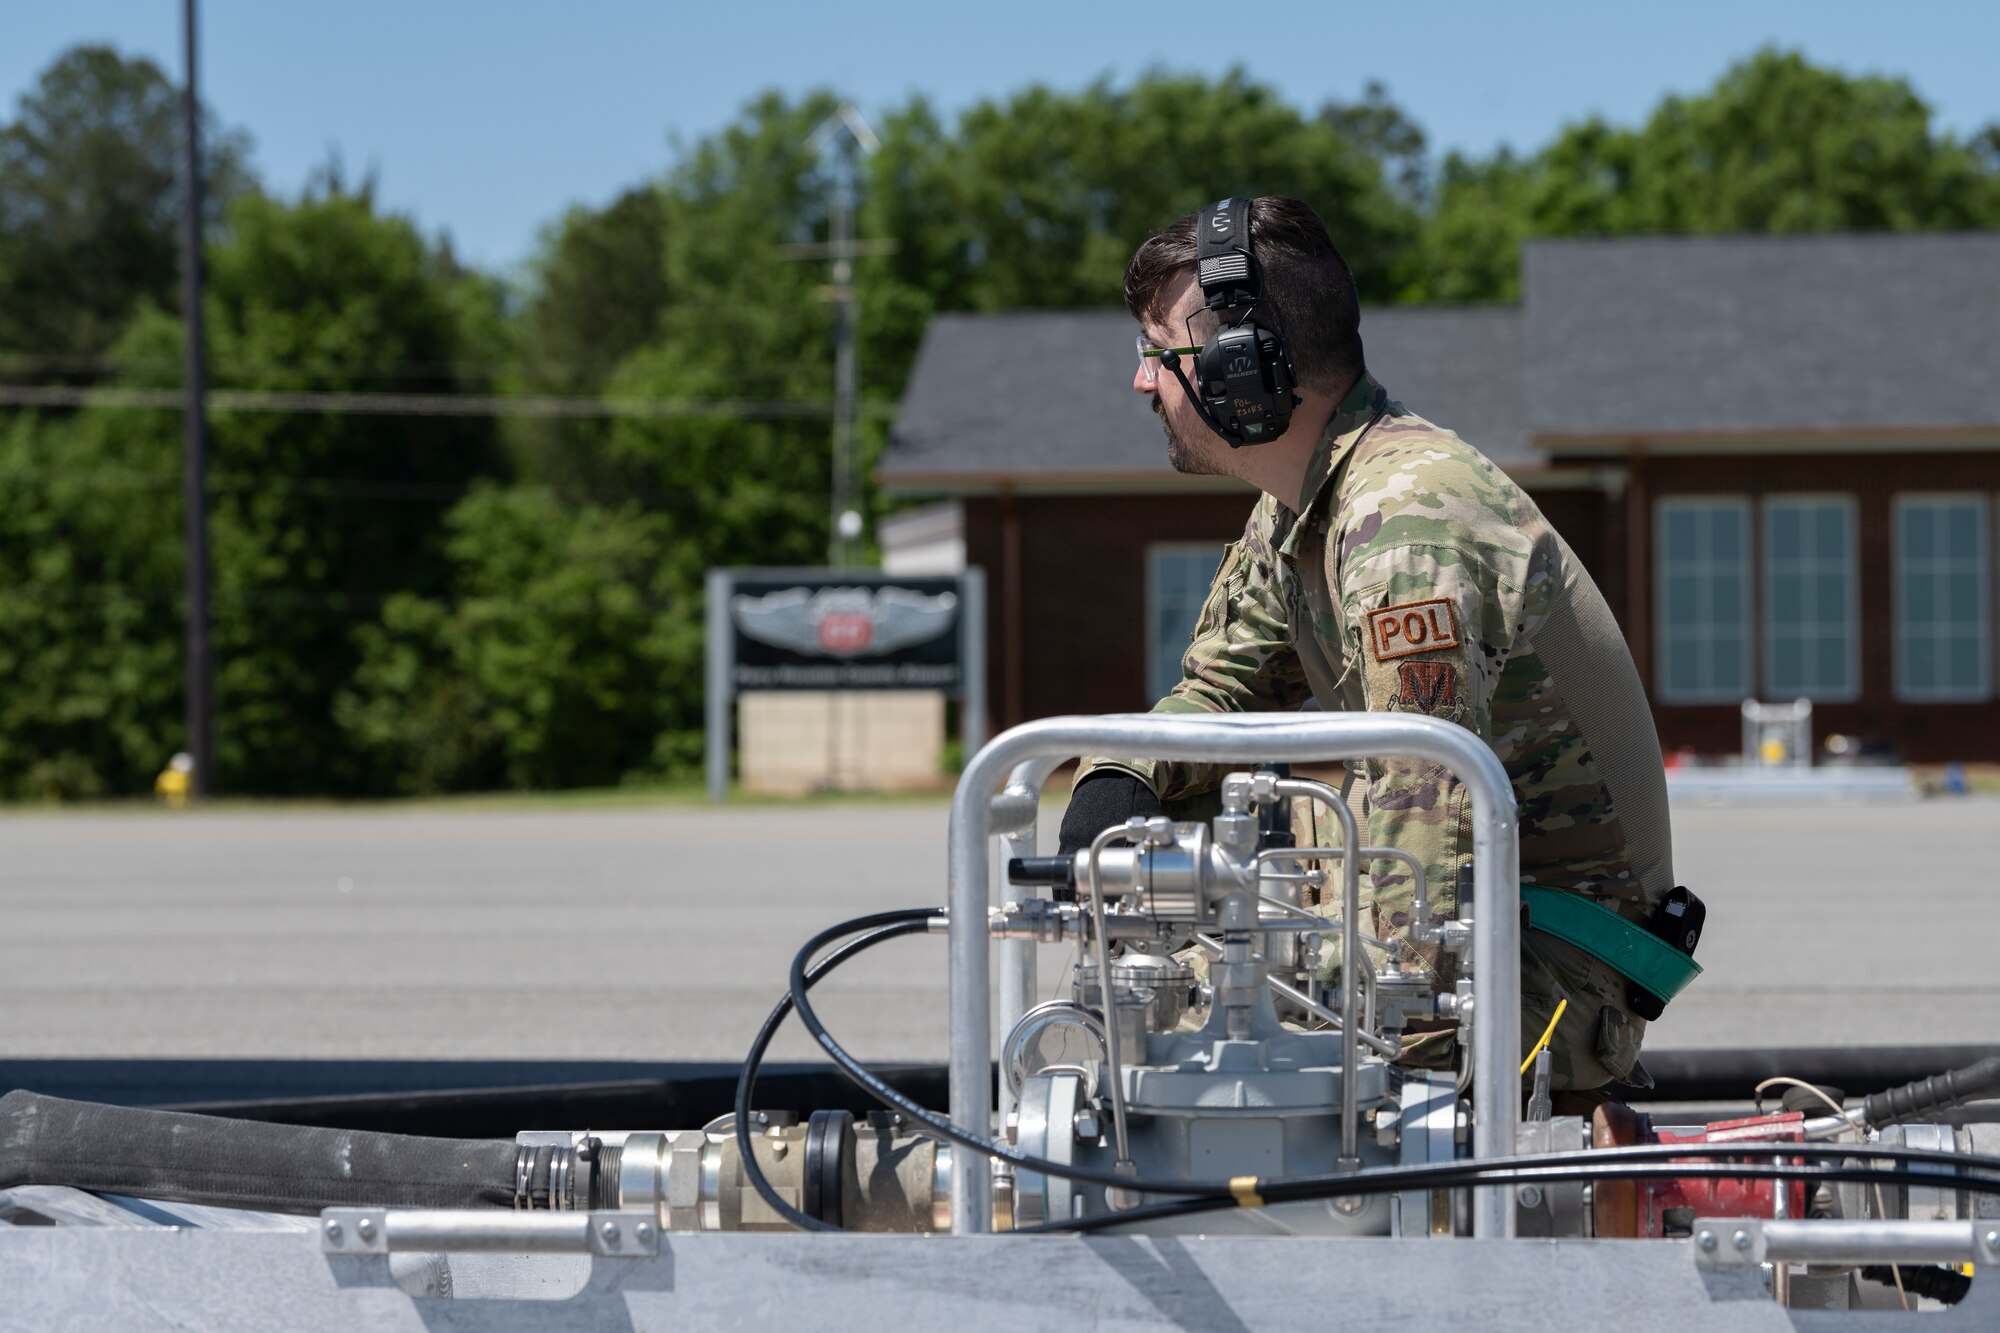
486 119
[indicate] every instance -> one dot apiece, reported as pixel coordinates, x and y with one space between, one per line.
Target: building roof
1045 396
1658 337
1735 340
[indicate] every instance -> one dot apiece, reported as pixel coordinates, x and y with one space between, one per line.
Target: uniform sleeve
1240 660
1431 625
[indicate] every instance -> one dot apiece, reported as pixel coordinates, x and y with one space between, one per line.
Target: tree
1470 247
599 292
1058 189
549 665
1777 145
316 519
90 620
90 201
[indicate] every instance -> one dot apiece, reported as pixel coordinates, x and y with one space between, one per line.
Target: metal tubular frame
1016 813
1351 961
1290 738
1744 1242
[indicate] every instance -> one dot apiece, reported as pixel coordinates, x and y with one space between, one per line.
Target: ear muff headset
1243 374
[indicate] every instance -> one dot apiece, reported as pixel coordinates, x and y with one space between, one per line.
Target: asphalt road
664 934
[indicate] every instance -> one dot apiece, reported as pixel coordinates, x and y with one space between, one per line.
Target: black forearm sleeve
1110 796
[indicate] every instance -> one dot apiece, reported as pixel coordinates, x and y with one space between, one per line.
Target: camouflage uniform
1415 575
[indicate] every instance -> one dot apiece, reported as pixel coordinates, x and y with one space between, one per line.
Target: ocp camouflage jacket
1415 575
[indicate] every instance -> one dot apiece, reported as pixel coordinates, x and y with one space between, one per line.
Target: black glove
1108 797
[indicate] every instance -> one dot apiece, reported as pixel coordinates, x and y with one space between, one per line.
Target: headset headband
1224 264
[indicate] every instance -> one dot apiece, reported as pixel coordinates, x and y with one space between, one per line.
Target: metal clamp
367 1231
1745 1242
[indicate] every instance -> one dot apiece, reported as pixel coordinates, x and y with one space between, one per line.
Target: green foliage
550 667
90 623
599 292
1470 249
90 202
316 520
1054 190
1778 145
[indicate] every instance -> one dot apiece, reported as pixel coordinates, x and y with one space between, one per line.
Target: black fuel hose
184 1158
911 921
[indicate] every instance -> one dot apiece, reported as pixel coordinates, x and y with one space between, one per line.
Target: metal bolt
1530 1196
643 1232
610 1233
333 1229
365 1228
1993 1240
1347 1205
1741 1240
1707 1240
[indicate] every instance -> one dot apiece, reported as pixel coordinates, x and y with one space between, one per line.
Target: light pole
200 665
850 132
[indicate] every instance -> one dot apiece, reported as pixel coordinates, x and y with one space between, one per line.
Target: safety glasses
1149 357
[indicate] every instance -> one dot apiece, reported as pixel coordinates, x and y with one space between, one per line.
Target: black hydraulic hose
1940 1092
184 1158
1553 1168
1597 1163
940 1126
913 922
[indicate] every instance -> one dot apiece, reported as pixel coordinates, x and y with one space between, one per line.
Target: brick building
1778 456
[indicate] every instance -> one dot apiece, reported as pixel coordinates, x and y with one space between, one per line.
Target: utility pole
200 666
846 129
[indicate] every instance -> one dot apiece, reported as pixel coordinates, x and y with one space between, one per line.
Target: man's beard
1182 456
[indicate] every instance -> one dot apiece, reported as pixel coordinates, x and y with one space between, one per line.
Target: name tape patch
1413 627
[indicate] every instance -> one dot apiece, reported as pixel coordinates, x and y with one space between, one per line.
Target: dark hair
1306 282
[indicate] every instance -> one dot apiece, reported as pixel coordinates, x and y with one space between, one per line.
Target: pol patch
1413 627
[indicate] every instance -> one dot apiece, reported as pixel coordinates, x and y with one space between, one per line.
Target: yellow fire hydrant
176 780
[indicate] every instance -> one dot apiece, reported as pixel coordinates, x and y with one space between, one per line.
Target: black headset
1245 371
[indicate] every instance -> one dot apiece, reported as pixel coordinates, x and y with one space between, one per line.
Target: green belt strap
1633 951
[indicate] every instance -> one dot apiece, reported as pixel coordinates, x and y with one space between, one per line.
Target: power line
15 363
337 488
330 603
310 402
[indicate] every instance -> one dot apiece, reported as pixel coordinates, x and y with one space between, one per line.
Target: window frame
1664 690
1849 504
1983 506
1215 552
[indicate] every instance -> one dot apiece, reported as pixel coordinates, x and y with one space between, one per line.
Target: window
1177 582
1812 622
1702 600
1942 639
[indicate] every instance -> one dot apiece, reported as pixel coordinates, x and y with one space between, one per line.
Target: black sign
835 632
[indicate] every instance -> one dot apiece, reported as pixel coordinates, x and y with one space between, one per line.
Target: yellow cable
1547 1032
1244 1188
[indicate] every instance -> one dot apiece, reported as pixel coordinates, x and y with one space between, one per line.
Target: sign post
828 629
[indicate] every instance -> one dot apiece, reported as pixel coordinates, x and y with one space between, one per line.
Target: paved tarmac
664 933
